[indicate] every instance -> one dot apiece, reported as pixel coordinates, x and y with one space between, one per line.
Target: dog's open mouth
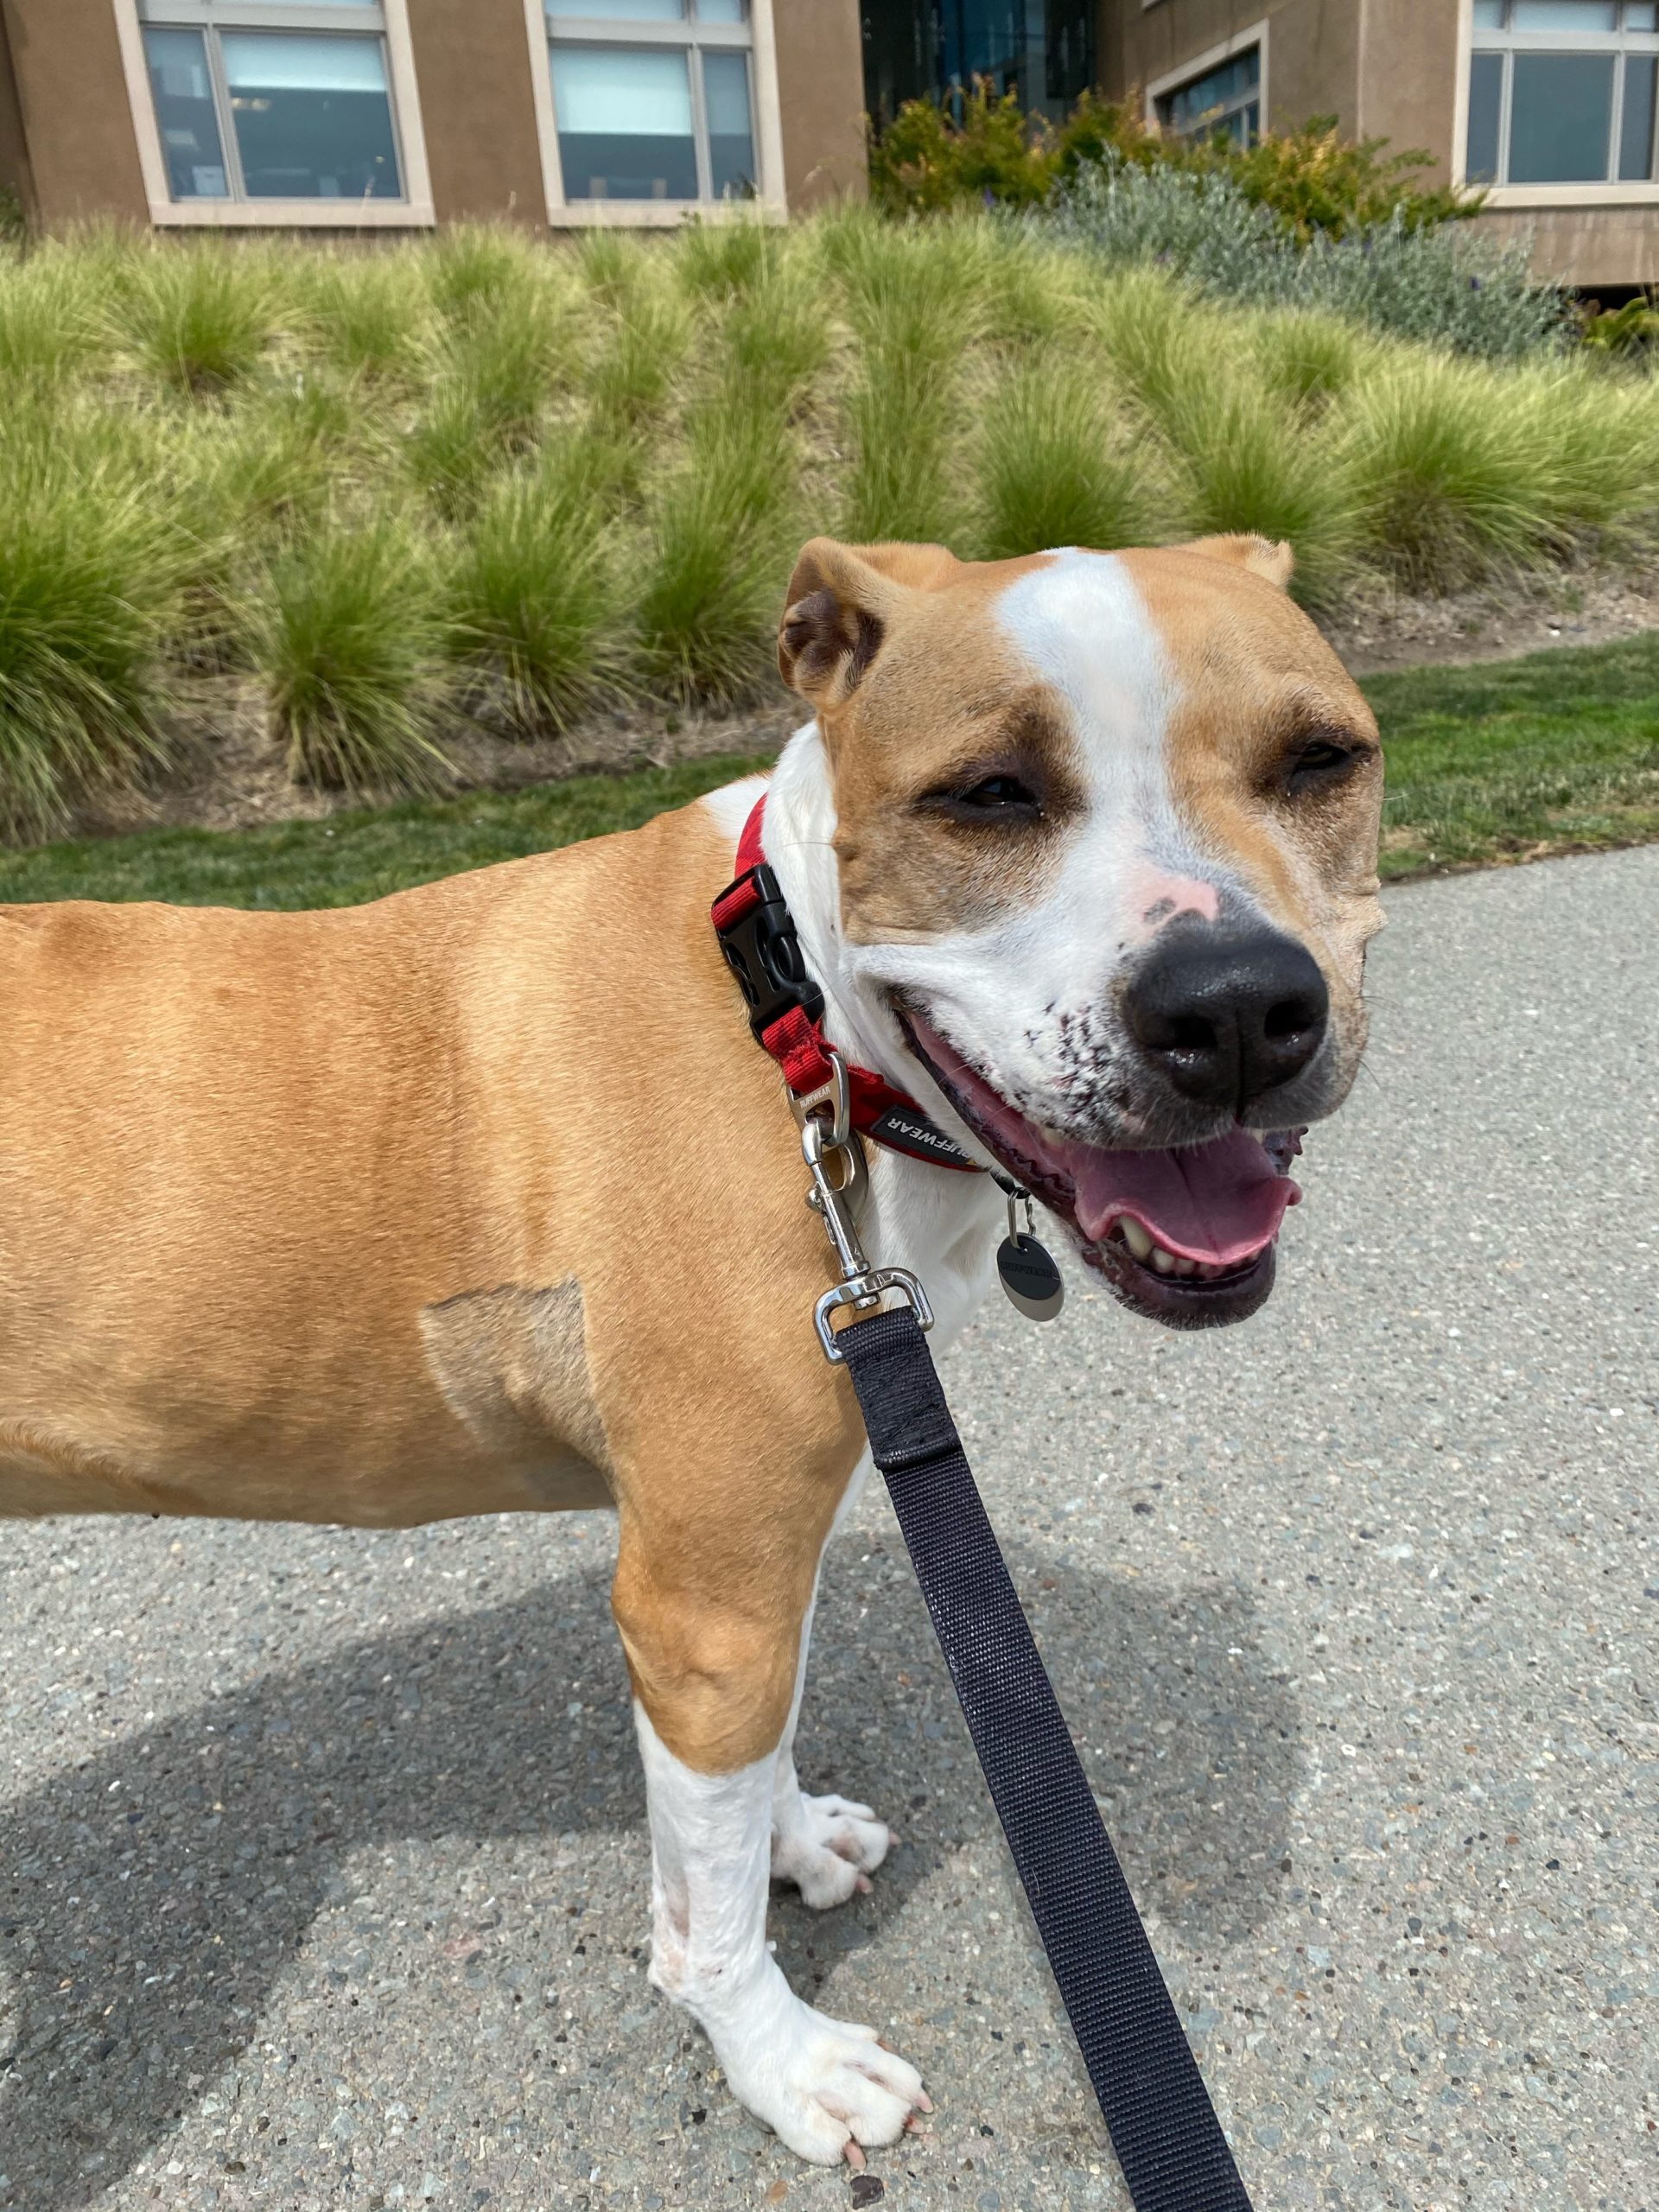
1185 1236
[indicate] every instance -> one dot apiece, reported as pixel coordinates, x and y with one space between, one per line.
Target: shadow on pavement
140 1967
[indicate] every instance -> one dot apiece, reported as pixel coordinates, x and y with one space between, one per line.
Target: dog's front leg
827 1847
715 1680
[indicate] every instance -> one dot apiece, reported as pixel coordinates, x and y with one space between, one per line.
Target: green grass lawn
1556 753
1513 760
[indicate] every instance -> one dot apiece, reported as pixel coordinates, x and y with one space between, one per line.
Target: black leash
1163 2125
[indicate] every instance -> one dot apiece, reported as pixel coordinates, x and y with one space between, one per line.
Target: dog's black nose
1228 1016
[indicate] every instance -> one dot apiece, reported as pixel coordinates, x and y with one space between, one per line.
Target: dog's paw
827 2089
829 1849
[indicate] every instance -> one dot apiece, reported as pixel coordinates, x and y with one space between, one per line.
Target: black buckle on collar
764 953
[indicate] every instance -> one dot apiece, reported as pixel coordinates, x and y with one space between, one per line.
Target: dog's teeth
1164 1261
1135 1236
1185 1266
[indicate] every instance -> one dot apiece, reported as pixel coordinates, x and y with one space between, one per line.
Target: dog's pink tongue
1217 1202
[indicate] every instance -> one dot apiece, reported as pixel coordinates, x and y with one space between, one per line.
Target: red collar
757 934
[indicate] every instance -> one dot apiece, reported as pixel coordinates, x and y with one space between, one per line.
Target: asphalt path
322 1868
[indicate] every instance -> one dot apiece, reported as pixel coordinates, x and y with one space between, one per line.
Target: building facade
1547 105
397 114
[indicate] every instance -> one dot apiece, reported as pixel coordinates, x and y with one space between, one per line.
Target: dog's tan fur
480 1198
379 1217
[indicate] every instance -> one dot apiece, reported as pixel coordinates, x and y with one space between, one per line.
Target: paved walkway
321 1869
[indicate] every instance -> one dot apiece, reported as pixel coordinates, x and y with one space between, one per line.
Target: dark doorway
1042 50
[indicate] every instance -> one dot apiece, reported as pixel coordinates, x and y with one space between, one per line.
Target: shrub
1442 286
346 636
926 161
980 147
1321 185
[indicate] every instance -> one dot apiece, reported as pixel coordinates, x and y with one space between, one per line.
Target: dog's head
1107 829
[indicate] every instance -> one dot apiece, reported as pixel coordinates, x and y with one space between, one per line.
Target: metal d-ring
862 1286
836 1095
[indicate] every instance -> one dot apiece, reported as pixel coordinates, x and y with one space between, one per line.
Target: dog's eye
991 795
999 792
1316 764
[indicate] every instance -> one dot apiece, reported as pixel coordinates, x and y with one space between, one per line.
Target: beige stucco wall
72 96
1585 245
821 100
473 63
15 176
1312 49
1408 76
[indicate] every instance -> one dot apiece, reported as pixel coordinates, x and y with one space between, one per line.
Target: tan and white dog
482 1197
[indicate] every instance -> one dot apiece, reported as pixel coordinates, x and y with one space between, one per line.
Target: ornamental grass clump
533 594
51 318
198 316
1246 463
366 312
719 539
1058 465
92 571
911 296
1448 480
347 634
492 371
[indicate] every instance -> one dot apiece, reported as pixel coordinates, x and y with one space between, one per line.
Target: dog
481 1197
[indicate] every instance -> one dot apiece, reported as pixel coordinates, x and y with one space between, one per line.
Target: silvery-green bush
1447 286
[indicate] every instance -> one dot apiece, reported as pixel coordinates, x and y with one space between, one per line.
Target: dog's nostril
1291 1018
1191 1033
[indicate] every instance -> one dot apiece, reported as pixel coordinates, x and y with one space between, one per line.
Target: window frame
415 211
1609 192
754 38
1200 65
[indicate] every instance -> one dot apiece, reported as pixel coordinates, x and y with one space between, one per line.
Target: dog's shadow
1187 1733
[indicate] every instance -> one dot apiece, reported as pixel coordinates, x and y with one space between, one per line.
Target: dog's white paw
828 1847
826 2087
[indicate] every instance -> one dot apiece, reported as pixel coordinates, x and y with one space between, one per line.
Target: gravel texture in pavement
322 1866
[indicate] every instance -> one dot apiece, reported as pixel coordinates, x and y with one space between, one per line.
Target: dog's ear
840 601
1262 556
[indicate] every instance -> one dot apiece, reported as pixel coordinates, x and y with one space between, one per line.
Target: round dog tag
1030 1278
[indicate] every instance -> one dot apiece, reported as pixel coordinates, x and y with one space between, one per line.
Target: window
258 101
1561 91
1226 98
652 100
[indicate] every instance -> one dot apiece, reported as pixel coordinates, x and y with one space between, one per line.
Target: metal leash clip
827 1134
